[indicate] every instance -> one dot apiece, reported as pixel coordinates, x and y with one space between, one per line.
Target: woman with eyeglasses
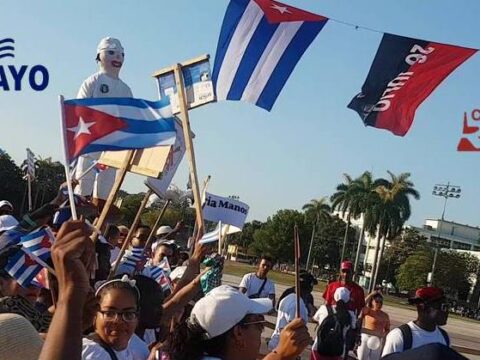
114 322
376 325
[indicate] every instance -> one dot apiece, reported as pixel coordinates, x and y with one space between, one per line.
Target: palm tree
343 201
315 210
363 199
391 210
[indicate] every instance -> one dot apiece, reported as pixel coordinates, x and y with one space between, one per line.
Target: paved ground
462 333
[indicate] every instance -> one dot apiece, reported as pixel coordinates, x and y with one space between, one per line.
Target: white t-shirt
322 314
286 313
100 85
139 348
394 340
252 283
92 351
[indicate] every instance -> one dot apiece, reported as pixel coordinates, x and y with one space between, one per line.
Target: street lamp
448 192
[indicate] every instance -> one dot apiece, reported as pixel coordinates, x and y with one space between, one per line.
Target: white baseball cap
223 308
163 230
6 203
7 222
342 293
109 43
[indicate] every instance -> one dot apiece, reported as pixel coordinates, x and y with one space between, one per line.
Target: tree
49 175
315 211
413 273
344 201
328 241
391 210
275 237
453 272
245 237
409 242
12 185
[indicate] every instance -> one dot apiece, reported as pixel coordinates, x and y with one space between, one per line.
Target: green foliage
453 271
12 185
397 253
49 175
275 237
245 237
328 243
412 274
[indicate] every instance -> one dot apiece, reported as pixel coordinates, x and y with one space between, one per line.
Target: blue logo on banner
13 77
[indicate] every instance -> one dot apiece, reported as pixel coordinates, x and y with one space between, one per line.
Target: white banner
160 186
228 211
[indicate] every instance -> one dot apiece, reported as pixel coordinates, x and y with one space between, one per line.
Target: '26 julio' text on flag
108 124
260 43
404 72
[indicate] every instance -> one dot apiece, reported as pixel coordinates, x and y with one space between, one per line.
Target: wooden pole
155 226
219 238
129 237
182 101
113 193
296 242
29 182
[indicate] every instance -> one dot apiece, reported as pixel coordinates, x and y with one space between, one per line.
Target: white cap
342 293
109 43
163 230
7 222
223 308
6 203
177 273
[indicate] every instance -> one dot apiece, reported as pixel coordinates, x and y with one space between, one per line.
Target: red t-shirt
357 296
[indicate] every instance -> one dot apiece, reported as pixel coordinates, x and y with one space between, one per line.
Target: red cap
427 294
346 265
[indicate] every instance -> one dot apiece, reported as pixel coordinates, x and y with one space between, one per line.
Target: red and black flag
404 72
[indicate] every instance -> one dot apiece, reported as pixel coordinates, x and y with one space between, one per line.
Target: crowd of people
158 301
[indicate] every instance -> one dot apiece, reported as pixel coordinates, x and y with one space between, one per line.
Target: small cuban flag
23 268
39 243
159 275
260 43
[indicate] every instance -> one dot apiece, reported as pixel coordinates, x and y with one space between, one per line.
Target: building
451 235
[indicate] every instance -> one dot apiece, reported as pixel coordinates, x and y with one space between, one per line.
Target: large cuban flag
100 124
261 42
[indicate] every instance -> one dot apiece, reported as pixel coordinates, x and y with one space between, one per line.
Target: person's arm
73 256
243 286
193 268
294 338
393 342
181 298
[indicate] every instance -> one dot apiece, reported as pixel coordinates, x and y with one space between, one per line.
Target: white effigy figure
104 83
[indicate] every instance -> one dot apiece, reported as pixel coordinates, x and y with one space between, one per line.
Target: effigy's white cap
109 43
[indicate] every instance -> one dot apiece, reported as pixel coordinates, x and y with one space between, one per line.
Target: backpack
330 340
408 337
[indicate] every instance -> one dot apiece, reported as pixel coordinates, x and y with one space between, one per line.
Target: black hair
370 301
342 313
119 285
267 258
112 231
188 341
141 226
148 289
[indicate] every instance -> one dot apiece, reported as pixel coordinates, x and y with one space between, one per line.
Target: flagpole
29 184
219 238
182 101
65 151
296 244
87 171
155 226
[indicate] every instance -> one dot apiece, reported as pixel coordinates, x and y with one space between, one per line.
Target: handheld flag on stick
404 73
296 244
260 43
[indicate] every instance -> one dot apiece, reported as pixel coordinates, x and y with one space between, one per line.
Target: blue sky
272 160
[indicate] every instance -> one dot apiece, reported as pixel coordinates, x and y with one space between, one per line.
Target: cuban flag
109 124
165 266
159 275
132 262
260 43
39 243
23 268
